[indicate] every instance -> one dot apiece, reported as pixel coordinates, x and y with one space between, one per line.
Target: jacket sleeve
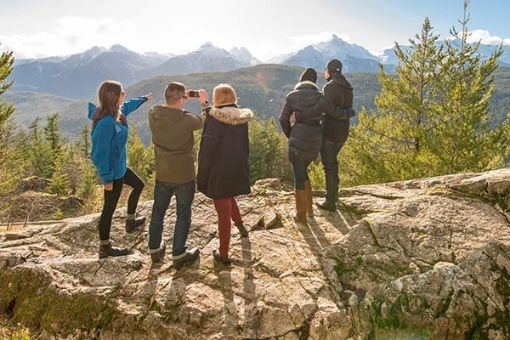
285 118
132 104
194 122
332 110
101 144
211 139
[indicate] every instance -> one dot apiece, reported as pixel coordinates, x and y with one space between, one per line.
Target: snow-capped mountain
78 75
208 58
354 58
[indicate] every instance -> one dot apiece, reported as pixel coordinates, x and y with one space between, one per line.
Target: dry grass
13 332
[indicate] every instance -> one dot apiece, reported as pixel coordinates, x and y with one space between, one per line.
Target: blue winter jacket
109 140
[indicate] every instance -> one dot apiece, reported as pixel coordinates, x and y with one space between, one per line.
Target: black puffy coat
223 159
338 92
305 135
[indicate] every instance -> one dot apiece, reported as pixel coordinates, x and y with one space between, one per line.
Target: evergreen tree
60 183
53 133
11 164
85 140
391 144
432 118
461 122
140 159
266 156
40 152
6 62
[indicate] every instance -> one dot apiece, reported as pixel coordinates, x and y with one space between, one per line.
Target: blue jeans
163 192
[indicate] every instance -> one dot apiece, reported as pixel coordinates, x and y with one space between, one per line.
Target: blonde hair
224 94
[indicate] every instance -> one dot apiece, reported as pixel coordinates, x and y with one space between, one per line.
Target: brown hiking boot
300 206
309 199
135 224
106 250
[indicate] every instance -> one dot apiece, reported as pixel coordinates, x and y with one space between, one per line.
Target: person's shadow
342 221
251 321
231 316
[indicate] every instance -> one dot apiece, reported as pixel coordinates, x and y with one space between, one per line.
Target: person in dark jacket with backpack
305 136
337 91
109 139
223 163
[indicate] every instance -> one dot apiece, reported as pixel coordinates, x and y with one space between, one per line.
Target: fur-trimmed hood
231 115
306 82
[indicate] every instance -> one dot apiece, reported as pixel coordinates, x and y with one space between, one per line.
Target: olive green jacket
174 145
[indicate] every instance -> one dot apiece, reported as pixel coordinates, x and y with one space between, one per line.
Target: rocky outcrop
422 258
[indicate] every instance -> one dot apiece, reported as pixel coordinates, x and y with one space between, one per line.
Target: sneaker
136 224
159 255
327 206
242 230
106 250
222 259
189 257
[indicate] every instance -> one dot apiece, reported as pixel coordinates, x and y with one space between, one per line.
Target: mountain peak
118 48
207 45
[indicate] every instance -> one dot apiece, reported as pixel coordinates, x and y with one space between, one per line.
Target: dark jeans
163 192
329 157
111 198
300 173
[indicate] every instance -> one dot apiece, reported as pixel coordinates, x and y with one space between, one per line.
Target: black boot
135 224
159 255
327 206
189 257
242 230
106 250
222 259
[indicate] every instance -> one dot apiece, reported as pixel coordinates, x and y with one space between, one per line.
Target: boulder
414 259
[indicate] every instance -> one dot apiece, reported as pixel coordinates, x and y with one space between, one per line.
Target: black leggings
300 173
112 197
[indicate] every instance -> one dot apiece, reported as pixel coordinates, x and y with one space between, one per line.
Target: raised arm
331 109
133 104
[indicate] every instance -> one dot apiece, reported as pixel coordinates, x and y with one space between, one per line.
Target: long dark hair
108 99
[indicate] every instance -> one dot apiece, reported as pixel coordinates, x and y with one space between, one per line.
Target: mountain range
78 76
262 88
388 56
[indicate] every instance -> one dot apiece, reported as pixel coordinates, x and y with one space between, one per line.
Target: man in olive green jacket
174 148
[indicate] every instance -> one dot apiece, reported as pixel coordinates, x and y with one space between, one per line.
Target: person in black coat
304 136
337 91
223 163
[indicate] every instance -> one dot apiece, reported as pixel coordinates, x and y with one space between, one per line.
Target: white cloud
71 35
486 38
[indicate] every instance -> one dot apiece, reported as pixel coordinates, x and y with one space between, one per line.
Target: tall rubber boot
300 206
309 199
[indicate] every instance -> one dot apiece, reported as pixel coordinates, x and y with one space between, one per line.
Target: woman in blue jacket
109 139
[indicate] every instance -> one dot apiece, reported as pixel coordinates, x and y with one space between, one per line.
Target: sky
40 28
